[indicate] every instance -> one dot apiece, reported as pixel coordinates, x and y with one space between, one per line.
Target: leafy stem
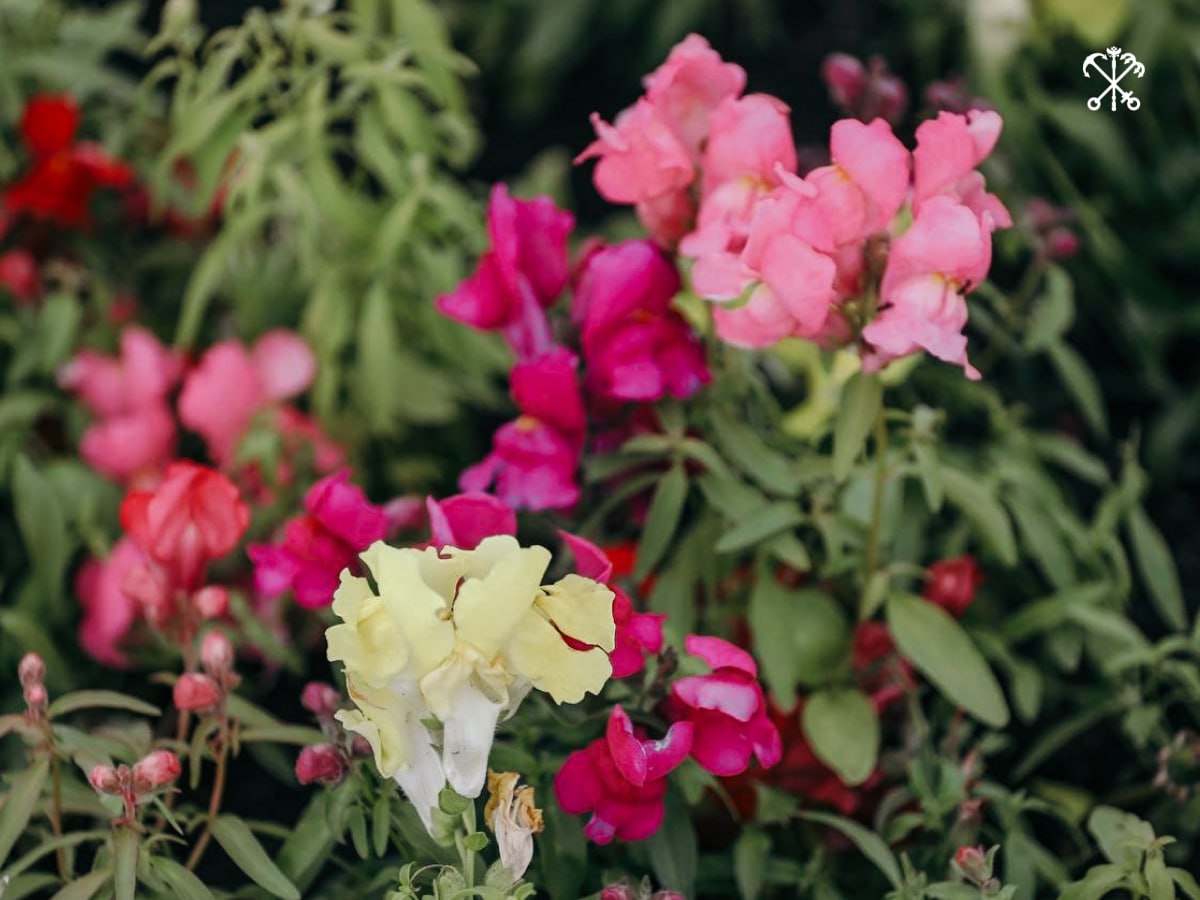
214 802
871 561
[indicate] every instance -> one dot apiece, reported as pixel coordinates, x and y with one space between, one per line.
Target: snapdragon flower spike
621 779
523 272
64 175
726 708
534 458
637 634
233 383
339 522
462 636
636 346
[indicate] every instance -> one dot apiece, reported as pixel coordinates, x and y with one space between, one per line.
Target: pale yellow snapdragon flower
461 636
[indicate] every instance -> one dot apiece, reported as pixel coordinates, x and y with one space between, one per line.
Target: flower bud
320 699
846 79
105 779
155 770
323 763
31 669
618 891
891 98
360 747
36 697
951 584
196 693
1062 243
216 654
211 602
973 864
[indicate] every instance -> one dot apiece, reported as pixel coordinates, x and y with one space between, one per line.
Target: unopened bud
619 891
105 779
973 864
211 602
846 77
320 699
155 770
951 584
322 763
891 98
216 654
1062 243
196 693
31 669
36 697
360 747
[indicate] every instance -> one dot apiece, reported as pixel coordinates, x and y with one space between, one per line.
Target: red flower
19 275
951 584
195 515
59 185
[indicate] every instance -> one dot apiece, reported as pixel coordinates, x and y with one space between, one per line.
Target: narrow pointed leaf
247 853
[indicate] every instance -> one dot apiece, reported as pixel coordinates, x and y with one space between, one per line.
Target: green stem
871 562
214 803
56 819
465 854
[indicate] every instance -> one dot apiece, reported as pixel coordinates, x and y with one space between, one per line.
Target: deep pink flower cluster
632 346
338 524
822 257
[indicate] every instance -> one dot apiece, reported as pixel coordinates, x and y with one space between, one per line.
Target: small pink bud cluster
205 691
134 785
622 890
864 92
32 673
1050 224
328 762
975 865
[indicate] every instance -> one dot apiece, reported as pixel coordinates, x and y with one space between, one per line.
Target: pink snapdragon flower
621 779
232 384
522 273
109 613
534 458
949 148
464 520
637 348
726 708
688 86
638 634
930 270
134 431
338 524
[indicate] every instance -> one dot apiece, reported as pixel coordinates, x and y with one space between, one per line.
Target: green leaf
381 823
672 848
1053 314
843 729
1081 382
1121 836
42 524
126 843
247 853
24 791
300 735
1095 884
759 525
378 385
799 637
861 401
868 842
97 699
930 473
750 854
746 450
306 849
185 885
661 520
1157 568
984 510
1185 882
942 651
85 887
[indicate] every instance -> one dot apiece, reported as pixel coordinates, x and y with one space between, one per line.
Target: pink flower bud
155 770
951 584
973 863
618 891
216 654
211 602
36 697
891 98
31 669
197 693
320 699
105 780
360 747
323 763
845 77
1062 243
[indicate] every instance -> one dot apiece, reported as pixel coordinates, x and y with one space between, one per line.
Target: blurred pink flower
949 148
621 779
726 708
231 384
534 458
108 612
523 271
19 275
464 520
930 269
640 158
637 348
689 85
139 377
